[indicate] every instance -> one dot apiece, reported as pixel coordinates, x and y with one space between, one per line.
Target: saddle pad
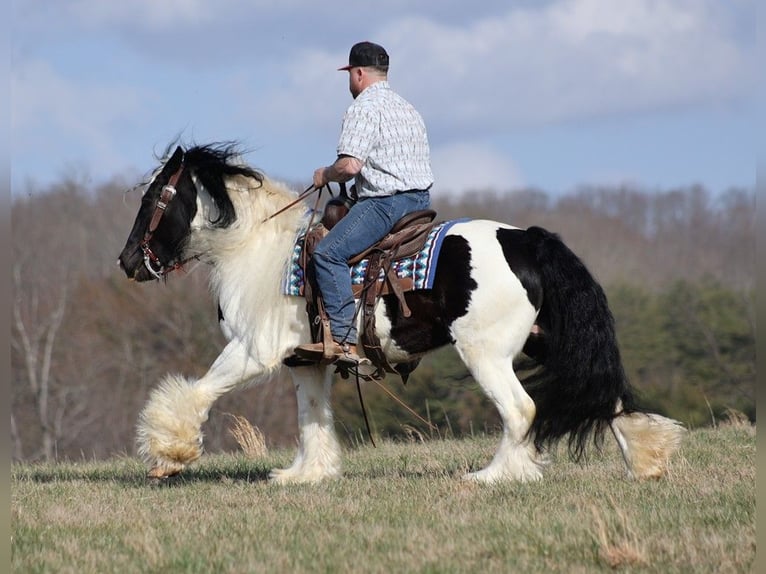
421 267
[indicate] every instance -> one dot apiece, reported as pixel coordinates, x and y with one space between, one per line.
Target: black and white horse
493 282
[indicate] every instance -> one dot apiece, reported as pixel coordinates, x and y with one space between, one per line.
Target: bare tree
17 452
34 337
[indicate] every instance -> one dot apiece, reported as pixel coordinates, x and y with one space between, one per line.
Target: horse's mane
211 164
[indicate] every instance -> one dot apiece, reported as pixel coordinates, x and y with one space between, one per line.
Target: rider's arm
344 168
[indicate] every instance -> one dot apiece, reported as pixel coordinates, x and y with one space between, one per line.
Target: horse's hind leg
646 441
516 457
318 454
487 339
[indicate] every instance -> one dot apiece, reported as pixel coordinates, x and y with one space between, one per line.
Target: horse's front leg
169 433
318 454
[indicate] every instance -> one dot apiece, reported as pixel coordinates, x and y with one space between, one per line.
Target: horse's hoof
278 475
162 471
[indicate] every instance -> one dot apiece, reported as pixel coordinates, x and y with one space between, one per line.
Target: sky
547 94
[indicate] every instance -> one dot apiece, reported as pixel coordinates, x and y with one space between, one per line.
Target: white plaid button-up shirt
388 135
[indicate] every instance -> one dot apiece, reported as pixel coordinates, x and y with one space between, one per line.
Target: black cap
366 54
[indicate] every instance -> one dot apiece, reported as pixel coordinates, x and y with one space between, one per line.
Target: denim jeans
368 221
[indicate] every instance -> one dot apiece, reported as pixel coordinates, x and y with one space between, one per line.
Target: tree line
87 345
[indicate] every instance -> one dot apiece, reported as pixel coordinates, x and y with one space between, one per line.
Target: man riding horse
384 147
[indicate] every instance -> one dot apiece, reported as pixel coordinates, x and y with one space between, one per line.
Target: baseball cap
366 54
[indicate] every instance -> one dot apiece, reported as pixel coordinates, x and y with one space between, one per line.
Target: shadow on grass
254 473
133 474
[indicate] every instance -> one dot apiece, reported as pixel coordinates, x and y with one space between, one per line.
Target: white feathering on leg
649 442
169 434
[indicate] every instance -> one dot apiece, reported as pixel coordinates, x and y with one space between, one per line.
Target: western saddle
406 238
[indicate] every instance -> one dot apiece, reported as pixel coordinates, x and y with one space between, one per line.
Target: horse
499 293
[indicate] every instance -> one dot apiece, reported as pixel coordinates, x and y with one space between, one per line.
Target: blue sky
553 94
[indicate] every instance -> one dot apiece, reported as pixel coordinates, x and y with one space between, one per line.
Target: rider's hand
320 177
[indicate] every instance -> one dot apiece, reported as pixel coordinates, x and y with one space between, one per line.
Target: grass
399 508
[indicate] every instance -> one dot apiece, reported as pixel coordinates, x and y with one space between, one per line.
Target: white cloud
465 166
309 94
571 59
148 14
175 15
540 64
61 118
264 70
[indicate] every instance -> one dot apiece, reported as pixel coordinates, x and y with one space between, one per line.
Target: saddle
406 238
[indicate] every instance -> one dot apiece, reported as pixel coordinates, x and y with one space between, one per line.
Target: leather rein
304 194
151 261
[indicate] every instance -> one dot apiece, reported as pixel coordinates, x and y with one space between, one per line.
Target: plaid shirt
388 135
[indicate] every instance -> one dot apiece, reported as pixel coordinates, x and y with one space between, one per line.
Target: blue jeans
368 221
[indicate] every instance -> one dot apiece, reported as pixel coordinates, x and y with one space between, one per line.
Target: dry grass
249 438
400 507
738 420
618 542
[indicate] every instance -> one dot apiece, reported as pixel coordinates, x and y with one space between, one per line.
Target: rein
151 261
304 194
360 377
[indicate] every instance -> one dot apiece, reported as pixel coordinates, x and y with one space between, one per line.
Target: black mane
211 164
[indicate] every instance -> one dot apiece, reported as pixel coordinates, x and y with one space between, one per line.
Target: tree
714 341
35 332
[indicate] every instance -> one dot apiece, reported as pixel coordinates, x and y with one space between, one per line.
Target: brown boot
345 353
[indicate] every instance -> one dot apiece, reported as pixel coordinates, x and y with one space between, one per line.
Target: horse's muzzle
131 261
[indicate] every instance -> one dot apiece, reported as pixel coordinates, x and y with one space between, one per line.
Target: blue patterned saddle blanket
420 268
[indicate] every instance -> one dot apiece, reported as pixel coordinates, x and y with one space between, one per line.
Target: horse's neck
253 204
250 256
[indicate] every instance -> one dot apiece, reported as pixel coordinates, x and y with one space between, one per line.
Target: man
384 147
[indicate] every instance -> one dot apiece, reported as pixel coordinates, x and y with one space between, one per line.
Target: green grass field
399 508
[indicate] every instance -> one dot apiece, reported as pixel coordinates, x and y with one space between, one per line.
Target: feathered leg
169 432
318 454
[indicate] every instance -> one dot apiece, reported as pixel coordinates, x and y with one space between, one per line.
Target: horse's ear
175 160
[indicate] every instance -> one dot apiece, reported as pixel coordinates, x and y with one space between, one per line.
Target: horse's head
189 192
161 229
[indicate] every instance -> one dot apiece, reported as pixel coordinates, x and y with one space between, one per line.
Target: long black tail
581 378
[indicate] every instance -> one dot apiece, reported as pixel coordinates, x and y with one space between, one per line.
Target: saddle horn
337 207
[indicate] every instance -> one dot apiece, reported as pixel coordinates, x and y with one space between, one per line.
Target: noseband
151 261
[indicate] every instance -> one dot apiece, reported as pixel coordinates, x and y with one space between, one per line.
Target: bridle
151 261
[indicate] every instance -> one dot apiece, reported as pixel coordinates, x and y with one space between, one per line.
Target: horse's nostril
122 264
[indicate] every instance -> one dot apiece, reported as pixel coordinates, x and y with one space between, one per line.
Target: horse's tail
581 389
